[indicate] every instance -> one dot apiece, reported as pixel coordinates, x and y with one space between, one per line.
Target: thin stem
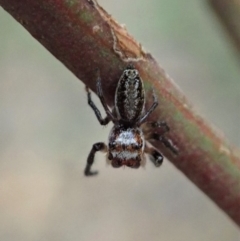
85 38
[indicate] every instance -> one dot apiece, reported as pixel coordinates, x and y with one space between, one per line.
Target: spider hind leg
102 121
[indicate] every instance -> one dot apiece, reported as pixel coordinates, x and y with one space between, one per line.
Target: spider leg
99 146
166 142
102 121
160 137
159 124
155 156
152 108
150 127
101 97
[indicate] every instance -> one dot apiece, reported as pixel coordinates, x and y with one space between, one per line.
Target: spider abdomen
129 96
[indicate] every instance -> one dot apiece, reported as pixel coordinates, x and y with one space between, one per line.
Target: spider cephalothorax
127 144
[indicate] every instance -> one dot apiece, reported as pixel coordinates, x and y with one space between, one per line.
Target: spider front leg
166 142
151 134
160 137
100 146
155 156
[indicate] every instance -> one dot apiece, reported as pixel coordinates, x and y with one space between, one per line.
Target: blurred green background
47 130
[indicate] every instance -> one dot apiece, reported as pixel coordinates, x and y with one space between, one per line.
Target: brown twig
84 37
228 12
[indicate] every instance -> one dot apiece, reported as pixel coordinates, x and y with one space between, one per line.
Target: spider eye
137 146
112 145
110 156
116 163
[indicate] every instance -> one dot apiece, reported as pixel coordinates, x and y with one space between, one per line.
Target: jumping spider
127 143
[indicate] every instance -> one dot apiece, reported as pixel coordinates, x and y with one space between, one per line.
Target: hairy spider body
129 97
126 144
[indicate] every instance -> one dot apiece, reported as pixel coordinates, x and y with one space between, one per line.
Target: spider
127 143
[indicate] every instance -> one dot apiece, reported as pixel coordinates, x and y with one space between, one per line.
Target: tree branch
84 37
228 12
